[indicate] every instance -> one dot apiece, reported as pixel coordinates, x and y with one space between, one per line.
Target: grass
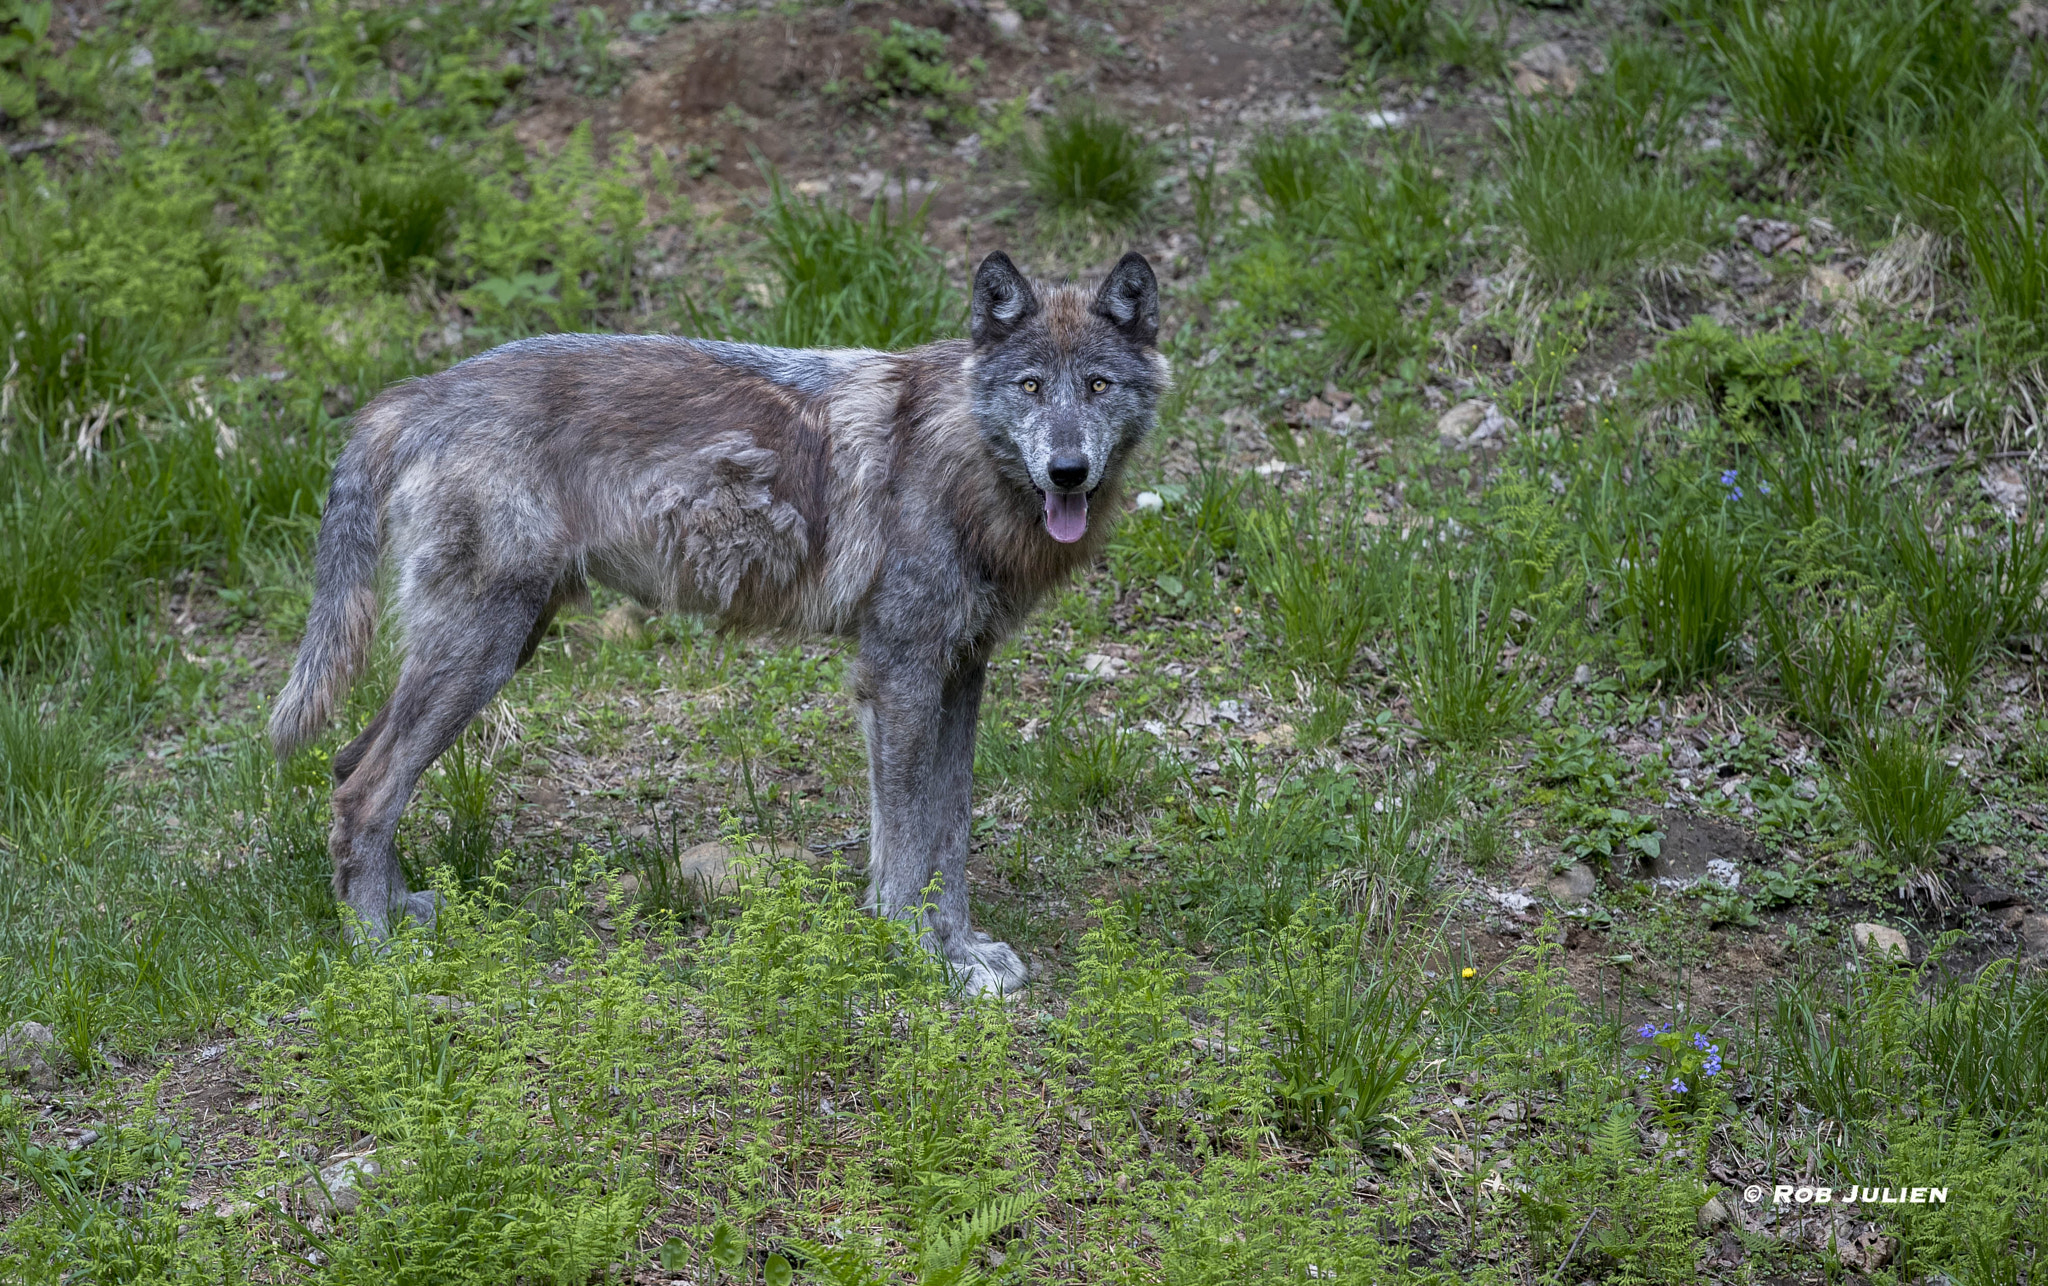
1686 599
1902 793
1833 671
1087 164
1358 694
1953 610
1393 28
852 282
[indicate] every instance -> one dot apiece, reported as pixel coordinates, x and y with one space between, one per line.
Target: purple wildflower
1678 1087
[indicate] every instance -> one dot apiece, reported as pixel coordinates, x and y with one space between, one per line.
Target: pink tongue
1066 516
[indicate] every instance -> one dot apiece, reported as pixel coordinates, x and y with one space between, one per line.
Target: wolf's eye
1098 384
1030 386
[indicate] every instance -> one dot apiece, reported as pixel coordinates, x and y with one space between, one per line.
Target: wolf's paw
986 966
423 908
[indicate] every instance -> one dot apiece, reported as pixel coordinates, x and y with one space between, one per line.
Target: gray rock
1880 941
1713 1214
339 1188
1573 885
30 1050
2034 937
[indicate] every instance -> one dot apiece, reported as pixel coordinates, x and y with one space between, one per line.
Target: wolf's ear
1003 300
1129 299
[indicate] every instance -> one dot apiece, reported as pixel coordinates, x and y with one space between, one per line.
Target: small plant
1813 73
1686 601
1587 208
26 61
1832 672
1393 28
909 61
2019 575
1953 610
1902 794
1683 1063
852 282
1088 164
1464 690
55 796
1343 1029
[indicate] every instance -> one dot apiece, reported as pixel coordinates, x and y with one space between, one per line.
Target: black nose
1067 471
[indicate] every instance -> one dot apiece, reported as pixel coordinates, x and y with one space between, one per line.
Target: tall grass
1833 672
1686 599
1588 202
1954 612
848 281
1392 28
1903 795
1465 691
1089 164
1814 73
1327 584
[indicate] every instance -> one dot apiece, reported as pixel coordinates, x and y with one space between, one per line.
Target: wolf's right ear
1002 302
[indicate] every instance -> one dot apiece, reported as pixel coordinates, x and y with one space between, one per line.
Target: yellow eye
1098 385
1030 386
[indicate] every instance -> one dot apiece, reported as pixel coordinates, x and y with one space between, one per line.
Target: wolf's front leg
920 733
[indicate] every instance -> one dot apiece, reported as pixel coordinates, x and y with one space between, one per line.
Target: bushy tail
343 619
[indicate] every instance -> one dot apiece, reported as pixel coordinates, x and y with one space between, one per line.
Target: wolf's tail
343 618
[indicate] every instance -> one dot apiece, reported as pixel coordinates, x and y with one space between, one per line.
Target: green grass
1087 164
1394 28
1686 599
848 281
1902 793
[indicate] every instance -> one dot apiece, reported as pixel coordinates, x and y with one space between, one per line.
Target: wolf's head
1065 384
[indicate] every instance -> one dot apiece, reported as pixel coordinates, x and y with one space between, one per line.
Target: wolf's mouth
1066 515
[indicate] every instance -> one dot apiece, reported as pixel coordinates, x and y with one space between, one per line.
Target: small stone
625 623
450 1005
2034 937
1007 21
1150 502
30 1049
1573 885
1454 425
1543 70
1881 941
339 1188
1713 1214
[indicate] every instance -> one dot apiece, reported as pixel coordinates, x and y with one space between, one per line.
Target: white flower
1150 502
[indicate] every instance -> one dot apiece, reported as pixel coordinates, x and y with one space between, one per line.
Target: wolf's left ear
1129 299
1003 300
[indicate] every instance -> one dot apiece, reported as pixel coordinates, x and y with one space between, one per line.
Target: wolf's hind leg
455 664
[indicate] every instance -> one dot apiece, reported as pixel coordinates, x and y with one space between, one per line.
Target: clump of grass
2007 242
1294 169
1392 28
1344 1030
1088 164
1586 207
847 281
1326 584
401 216
1902 794
1685 601
1461 687
1832 672
1077 763
1813 73
1956 617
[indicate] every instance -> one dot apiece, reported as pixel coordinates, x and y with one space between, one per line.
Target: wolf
918 503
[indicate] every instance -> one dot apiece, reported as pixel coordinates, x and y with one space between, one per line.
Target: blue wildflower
1678 1087
1728 480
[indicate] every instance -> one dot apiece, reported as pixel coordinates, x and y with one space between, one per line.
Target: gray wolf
920 503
